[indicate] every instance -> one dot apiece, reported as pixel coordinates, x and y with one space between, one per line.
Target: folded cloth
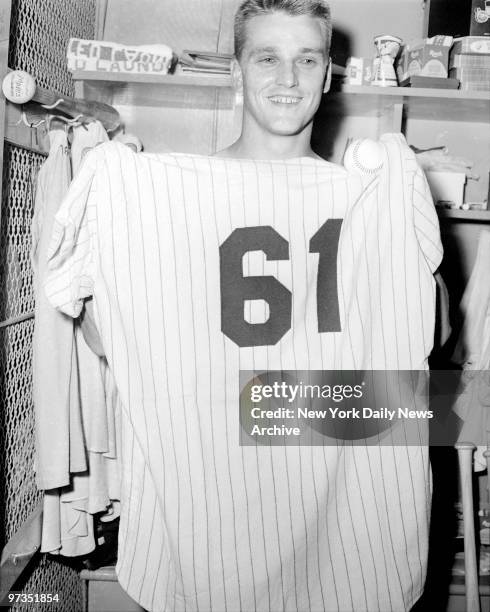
115 57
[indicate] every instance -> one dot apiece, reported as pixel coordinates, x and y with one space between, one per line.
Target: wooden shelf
170 89
481 216
158 79
418 103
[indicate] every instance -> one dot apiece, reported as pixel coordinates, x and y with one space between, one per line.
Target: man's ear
328 76
236 78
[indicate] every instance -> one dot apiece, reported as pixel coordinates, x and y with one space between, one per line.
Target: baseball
364 156
19 86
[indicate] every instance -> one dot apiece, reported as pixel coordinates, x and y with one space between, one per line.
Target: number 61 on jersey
237 288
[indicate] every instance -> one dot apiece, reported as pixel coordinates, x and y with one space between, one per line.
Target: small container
446 186
387 48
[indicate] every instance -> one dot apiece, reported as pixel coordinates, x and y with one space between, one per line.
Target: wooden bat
20 87
465 458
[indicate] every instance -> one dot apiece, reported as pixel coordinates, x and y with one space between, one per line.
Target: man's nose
287 76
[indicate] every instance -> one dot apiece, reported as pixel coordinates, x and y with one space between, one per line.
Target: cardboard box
428 57
456 60
481 75
446 186
473 86
472 78
472 45
359 71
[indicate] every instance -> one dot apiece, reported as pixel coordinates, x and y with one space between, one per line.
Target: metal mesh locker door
39 34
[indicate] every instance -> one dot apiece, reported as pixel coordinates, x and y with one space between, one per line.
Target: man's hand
89 329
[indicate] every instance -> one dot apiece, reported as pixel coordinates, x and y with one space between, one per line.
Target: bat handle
465 459
486 454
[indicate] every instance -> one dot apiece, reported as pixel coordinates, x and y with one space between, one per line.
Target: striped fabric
205 523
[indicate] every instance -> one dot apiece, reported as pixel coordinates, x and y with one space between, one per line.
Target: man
342 280
282 69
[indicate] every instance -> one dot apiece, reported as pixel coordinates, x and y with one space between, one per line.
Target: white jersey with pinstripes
207 524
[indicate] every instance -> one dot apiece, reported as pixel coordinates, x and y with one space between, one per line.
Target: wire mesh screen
19 494
56 577
39 34
19 175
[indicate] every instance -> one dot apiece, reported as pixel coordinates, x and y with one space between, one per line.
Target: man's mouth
285 99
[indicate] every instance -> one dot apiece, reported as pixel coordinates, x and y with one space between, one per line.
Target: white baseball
364 156
19 86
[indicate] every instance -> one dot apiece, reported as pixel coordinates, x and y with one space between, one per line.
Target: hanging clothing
59 436
207 524
474 336
85 138
68 509
99 400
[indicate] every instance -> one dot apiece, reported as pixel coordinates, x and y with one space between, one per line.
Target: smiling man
283 69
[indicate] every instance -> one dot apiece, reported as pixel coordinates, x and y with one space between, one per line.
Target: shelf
167 90
418 103
171 89
481 216
157 79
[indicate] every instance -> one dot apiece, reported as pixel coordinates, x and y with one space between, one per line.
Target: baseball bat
20 87
465 458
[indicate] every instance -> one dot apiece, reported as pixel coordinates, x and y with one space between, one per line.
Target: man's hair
253 8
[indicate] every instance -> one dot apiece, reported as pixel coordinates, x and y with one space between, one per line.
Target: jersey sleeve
425 220
419 206
71 254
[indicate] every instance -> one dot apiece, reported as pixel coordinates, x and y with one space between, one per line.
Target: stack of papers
205 62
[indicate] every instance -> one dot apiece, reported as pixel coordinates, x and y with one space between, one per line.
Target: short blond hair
318 9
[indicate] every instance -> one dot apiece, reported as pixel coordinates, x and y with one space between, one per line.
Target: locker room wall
198 24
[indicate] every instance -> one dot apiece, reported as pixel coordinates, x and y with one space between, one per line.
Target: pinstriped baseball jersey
200 267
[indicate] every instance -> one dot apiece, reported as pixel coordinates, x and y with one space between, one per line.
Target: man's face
283 65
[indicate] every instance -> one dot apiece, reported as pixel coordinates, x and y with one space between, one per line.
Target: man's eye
308 61
267 60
